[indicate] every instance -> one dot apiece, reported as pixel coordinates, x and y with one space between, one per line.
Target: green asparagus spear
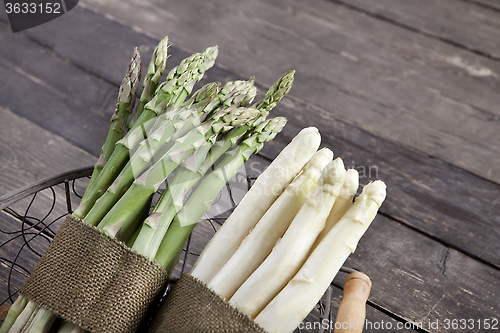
184 178
13 313
152 79
199 202
149 182
179 84
124 106
279 89
141 160
193 169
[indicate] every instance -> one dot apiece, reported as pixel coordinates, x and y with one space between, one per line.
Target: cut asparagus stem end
15 310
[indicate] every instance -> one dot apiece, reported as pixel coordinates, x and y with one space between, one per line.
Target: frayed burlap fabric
191 307
94 281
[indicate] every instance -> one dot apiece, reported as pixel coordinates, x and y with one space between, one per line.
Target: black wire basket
31 216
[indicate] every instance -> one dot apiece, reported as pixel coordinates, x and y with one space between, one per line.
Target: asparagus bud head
268 129
351 184
181 80
277 91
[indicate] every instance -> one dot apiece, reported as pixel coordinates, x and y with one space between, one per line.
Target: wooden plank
492 4
67 112
65 81
427 16
351 142
29 153
452 205
75 55
413 115
374 318
426 62
94 43
105 49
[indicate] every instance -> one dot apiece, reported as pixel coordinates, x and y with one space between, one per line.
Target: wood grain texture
427 16
491 4
374 318
29 153
64 80
380 102
93 43
53 94
29 259
411 57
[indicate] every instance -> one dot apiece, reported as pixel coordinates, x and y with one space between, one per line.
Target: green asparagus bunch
196 143
178 85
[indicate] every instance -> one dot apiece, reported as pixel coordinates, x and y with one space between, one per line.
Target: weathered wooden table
404 91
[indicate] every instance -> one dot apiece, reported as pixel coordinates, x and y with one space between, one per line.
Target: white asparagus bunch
300 295
292 249
342 203
257 245
257 200
274 258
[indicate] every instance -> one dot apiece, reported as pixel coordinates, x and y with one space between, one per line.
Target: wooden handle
352 310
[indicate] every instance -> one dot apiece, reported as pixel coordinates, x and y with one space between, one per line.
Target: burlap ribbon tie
95 281
191 307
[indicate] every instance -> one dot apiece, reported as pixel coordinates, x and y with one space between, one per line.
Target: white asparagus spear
301 294
292 249
342 203
257 245
268 186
